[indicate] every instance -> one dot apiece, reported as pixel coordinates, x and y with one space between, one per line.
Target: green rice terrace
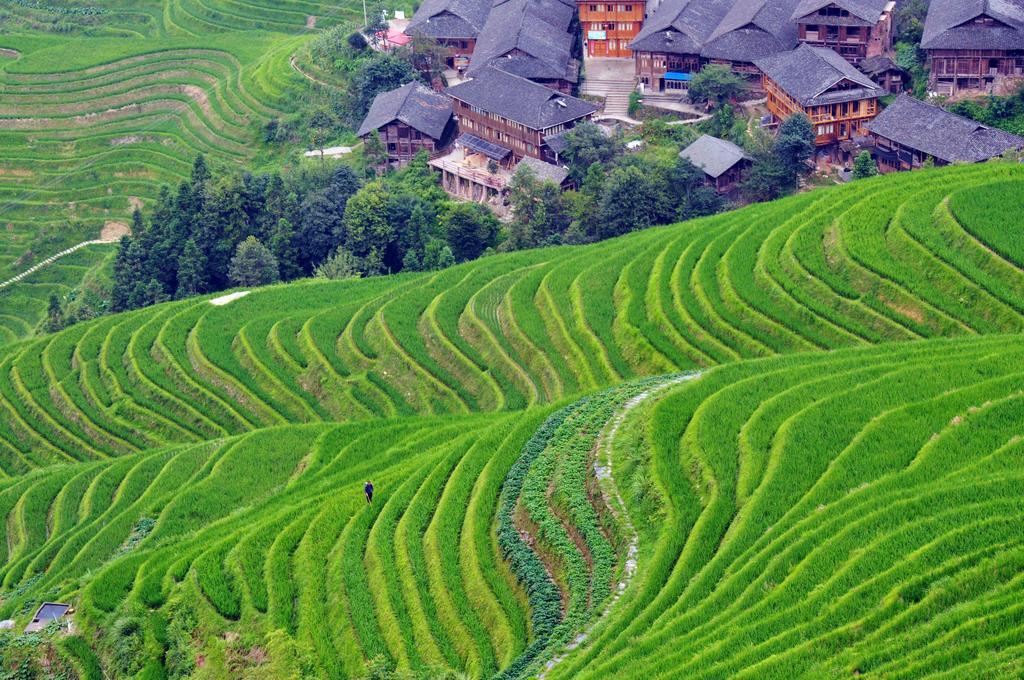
103 103
782 442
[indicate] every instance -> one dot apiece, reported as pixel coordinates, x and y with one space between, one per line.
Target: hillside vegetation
894 259
190 474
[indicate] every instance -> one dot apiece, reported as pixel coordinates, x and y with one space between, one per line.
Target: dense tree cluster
619 192
1001 112
236 229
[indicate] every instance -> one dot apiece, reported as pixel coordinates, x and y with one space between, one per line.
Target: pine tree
54 315
191 266
282 244
155 293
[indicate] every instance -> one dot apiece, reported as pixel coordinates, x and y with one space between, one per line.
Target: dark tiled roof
753 29
417 106
862 12
680 26
809 74
557 142
545 172
529 38
713 155
944 28
873 66
518 99
450 18
731 30
941 134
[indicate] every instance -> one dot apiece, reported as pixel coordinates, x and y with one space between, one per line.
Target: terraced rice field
896 259
91 129
826 479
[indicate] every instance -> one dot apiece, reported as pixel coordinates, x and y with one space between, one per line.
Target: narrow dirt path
294 61
613 499
53 258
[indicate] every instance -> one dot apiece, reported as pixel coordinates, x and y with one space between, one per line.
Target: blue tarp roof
675 75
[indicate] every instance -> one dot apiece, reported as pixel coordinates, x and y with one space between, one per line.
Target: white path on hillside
53 258
613 499
228 299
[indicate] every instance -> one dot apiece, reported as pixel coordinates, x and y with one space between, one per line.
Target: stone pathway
53 258
614 80
613 499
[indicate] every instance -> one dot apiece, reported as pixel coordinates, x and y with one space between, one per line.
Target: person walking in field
368 490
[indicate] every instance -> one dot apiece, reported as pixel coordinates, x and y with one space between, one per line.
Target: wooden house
609 27
972 45
534 39
682 36
722 162
816 81
909 132
410 119
885 73
502 118
855 29
454 24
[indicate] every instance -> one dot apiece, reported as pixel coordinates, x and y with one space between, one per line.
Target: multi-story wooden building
972 45
454 24
535 39
609 27
856 29
909 132
411 119
502 119
816 81
682 36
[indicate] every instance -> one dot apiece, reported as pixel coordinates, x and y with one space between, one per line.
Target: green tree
155 293
282 244
437 255
767 178
716 83
367 230
721 122
795 144
339 266
54 315
191 268
908 20
374 151
253 264
586 144
539 215
379 73
691 193
470 229
864 166
631 202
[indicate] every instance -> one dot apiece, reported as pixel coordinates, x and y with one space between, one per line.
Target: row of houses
824 58
535 39
478 132
906 135
970 44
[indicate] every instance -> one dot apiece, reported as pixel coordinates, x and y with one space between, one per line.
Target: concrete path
613 79
53 258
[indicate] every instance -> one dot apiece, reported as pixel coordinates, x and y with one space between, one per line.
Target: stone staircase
615 92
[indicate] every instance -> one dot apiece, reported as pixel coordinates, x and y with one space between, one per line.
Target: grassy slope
817 512
94 121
